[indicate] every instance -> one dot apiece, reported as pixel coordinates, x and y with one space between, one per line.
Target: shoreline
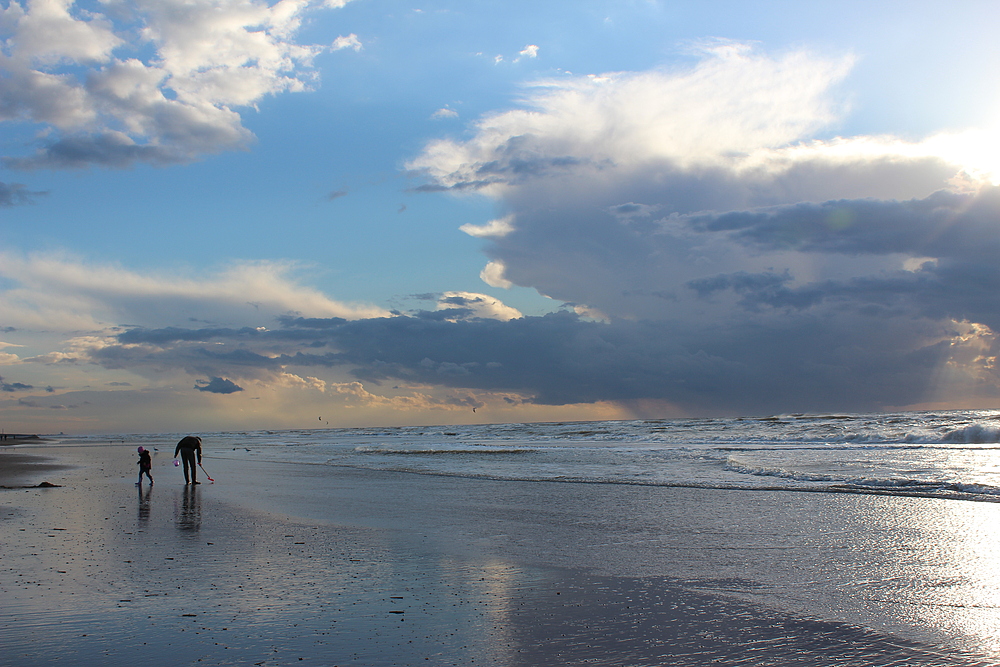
276 564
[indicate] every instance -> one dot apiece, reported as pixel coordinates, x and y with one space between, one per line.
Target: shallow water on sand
280 561
921 568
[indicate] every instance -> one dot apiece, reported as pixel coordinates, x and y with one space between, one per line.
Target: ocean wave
782 473
872 483
902 489
974 433
434 451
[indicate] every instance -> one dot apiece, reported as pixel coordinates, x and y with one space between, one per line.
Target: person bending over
187 447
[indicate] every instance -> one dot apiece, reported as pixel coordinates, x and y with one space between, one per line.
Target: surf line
842 489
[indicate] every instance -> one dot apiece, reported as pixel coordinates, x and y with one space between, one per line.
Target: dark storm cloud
574 239
739 264
14 386
808 362
176 334
800 336
952 291
954 238
217 385
945 224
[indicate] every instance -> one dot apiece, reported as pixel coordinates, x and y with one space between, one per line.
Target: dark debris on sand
40 485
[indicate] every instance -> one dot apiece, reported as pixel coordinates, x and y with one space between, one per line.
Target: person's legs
187 455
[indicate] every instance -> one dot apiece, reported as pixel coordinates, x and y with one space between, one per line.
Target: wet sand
295 564
20 469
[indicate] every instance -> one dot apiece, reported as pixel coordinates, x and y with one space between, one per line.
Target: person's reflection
144 496
189 518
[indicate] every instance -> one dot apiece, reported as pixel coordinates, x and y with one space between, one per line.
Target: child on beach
145 465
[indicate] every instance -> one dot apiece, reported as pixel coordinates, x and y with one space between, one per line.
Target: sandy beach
16 468
292 564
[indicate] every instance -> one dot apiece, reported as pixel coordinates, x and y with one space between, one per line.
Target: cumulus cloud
294 381
492 275
733 103
699 204
153 82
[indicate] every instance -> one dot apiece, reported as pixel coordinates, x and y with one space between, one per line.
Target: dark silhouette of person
187 447
145 466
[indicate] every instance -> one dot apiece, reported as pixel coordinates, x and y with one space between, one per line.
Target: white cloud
46 32
53 292
444 112
495 228
492 275
723 112
76 70
590 313
530 51
480 305
349 42
293 381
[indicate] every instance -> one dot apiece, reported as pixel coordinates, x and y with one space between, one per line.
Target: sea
878 529
952 455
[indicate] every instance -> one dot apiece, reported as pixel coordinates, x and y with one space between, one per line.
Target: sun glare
977 152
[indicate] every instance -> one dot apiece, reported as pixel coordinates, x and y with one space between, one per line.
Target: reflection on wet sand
189 514
144 497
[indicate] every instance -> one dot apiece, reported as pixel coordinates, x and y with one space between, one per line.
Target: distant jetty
11 438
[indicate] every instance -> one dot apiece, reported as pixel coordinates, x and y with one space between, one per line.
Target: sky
242 214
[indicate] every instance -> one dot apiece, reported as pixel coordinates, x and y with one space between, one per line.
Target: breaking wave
385 450
891 485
